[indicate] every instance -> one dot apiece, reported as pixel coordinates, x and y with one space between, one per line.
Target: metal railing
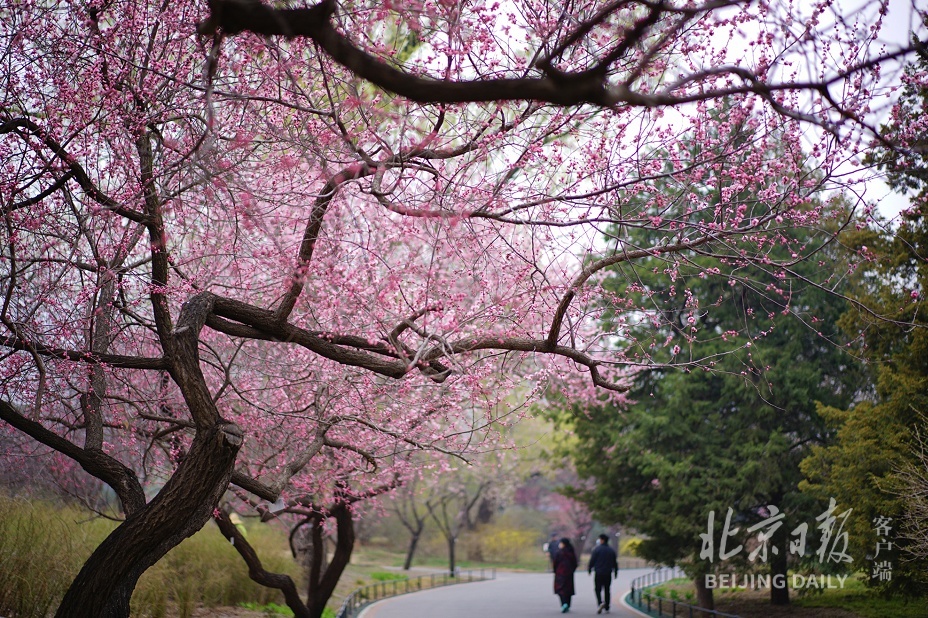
644 600
395 587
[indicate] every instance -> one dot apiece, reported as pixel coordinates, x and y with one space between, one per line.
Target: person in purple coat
565 563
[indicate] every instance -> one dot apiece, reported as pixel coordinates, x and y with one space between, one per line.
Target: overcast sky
899 23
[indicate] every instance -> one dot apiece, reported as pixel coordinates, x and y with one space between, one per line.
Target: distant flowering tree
265 248
572 518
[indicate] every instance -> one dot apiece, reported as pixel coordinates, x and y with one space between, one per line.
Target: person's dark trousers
601 583
565 599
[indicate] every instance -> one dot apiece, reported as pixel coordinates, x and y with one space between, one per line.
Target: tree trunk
105 584
778 567
413 542
452 540
704 598
322 584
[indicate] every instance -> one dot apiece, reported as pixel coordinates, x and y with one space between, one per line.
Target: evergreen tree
871 464
729 432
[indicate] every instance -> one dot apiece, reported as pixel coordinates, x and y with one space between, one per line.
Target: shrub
630 547
507 545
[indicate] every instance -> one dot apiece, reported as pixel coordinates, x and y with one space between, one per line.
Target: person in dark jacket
565 563
605 564
551 549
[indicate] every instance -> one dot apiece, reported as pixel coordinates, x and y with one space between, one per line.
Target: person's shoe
602 606
564 608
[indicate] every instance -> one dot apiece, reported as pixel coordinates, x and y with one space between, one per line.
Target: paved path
510 595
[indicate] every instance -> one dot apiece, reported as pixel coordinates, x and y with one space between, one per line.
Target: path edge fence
365 595
644 601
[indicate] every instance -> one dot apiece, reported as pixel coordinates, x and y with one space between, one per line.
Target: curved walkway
510 595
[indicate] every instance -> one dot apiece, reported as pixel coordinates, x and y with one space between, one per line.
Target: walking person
550 548
605 564
565 563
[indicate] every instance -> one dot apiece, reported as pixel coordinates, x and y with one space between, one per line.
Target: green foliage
729 427
386 576
877 438
865 602
854 597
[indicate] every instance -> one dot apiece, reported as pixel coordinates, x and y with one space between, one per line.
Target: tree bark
105 584
778 567
704 598
256 570
413 543
452 541
322 583
411 520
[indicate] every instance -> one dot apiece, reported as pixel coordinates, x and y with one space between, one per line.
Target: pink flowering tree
266 249
572 518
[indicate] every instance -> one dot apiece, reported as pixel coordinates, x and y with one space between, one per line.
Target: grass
41 551
269 609
205 570
385 576
44 544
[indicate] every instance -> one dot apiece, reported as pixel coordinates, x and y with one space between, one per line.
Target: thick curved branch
97 463
267 322
260 332
111 360
262 490
185 364
236 16
589 86
256 570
